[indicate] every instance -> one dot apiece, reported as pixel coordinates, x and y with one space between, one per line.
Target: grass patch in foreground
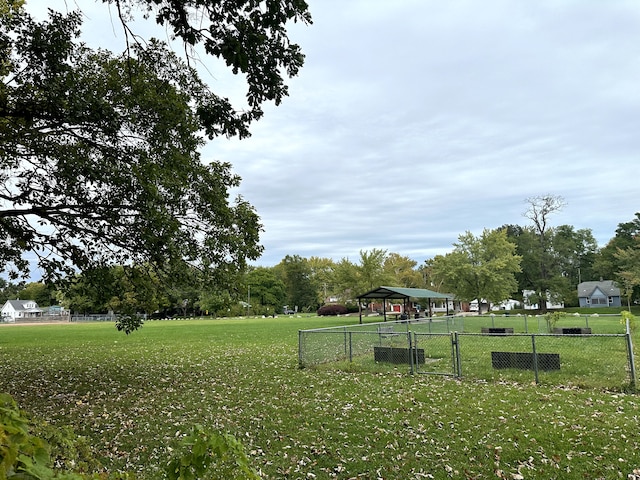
134 396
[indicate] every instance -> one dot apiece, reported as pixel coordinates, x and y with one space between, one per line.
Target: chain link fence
603 323
584 360
572 356
354 343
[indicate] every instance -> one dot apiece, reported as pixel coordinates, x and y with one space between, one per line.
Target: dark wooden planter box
573 331
497 331
397 355
524 360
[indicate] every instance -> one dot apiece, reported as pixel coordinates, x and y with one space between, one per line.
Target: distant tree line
498 264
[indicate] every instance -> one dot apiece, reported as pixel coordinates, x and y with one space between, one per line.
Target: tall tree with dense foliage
295 273
8 291
481 267
569 260
126 290
628 275
322 276
574 252
42 293
402 270
99 152
371 271
265 291
607 264
345 280
544 282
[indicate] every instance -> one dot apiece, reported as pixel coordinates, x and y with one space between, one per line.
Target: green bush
23 455
627 315
211 455
205 455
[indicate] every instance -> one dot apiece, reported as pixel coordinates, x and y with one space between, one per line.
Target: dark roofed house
603 293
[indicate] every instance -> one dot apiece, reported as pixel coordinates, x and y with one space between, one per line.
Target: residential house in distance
603 293
14 310
530 304
509 304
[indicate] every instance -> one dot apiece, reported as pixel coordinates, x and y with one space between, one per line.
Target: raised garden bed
572 331
497 331
524 360
397 355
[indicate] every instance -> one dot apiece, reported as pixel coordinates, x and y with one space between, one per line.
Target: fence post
526 325
632 366
455 346
350 348
345 341
411 353
300 360
535 357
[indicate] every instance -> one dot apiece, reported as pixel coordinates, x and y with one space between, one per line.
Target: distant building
603 293
530 304
483 305
509 304
18 309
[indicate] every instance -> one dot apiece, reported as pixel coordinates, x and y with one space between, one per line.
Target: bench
497 331
524 360
572 331
398 355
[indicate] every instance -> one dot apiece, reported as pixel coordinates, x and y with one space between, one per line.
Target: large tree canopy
481 268
99 153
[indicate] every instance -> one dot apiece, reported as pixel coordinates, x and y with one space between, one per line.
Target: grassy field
133 397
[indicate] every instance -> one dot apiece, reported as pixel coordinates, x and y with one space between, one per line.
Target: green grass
134 396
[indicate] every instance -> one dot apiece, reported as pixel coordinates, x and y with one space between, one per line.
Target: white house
529 305
509 304
482 304
16 309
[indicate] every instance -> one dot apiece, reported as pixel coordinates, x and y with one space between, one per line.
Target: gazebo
404 294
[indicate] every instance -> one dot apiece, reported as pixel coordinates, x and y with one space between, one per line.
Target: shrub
552 319
204 454
211 453
627 315
353 309
23 455
332 309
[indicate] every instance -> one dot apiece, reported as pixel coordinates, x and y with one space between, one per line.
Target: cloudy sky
414 121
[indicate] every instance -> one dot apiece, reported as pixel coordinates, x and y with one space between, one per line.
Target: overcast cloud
414 121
